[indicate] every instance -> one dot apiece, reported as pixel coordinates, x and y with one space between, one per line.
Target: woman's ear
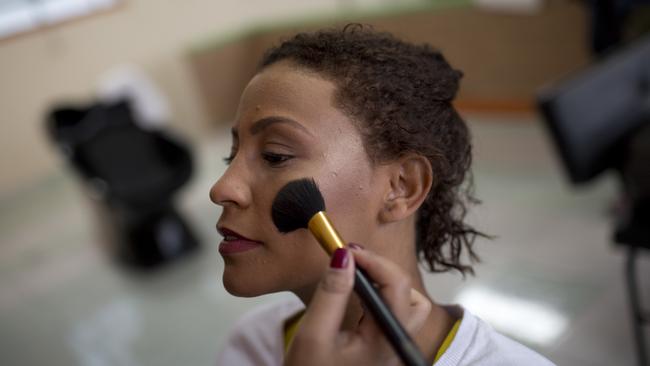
411 178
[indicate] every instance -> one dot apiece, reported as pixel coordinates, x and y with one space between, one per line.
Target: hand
319 340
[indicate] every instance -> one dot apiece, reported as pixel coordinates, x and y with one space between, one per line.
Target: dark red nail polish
340 258
356 246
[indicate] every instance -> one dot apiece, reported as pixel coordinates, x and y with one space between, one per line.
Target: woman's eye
233 151
275 159
228 159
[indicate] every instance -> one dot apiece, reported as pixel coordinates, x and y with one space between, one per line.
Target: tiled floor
63 303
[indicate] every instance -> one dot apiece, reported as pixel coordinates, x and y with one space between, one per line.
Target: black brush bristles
296 203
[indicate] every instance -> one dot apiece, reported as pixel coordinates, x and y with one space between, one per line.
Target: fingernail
340 258
356 246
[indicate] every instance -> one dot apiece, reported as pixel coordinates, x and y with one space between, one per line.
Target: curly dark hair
399 94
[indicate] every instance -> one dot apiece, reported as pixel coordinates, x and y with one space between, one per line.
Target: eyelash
272 159
276 160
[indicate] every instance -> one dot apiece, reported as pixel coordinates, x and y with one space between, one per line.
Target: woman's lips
237 246
236 243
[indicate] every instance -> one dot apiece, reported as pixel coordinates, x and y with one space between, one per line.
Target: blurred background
115 116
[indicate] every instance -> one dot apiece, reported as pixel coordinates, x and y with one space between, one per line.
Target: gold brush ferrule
325 233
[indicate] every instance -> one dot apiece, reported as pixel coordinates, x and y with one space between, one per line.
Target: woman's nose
231 189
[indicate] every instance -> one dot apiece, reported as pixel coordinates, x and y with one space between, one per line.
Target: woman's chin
246 279
244 287
241 291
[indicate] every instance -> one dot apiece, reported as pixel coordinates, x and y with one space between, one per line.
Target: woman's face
287 128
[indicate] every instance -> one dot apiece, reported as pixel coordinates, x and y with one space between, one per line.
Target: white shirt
477 344
257 339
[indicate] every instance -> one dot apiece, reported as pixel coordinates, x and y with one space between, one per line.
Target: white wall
63 63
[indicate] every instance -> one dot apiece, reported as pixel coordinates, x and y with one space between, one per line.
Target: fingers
409 306
319 336
392 282
325 312
420 309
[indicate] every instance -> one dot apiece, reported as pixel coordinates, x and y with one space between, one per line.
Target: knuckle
366 255
403 283
419 302
336 283
426 306
422 309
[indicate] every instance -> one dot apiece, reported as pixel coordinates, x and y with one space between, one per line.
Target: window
17 16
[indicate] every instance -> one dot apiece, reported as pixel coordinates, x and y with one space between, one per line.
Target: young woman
370 118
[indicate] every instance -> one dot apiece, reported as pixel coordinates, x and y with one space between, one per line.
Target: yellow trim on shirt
291 327
447 342
292 323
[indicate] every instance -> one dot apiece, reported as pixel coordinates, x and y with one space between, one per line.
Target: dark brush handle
397 336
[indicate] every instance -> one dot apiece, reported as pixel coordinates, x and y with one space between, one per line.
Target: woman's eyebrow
265 122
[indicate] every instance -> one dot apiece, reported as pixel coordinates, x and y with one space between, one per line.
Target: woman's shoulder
257 337
477 343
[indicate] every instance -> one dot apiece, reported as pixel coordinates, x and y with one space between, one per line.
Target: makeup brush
300 205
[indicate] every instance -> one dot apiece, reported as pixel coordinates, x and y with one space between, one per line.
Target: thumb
324 314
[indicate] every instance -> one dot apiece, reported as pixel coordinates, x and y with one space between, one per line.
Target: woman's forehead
285 85
282 90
